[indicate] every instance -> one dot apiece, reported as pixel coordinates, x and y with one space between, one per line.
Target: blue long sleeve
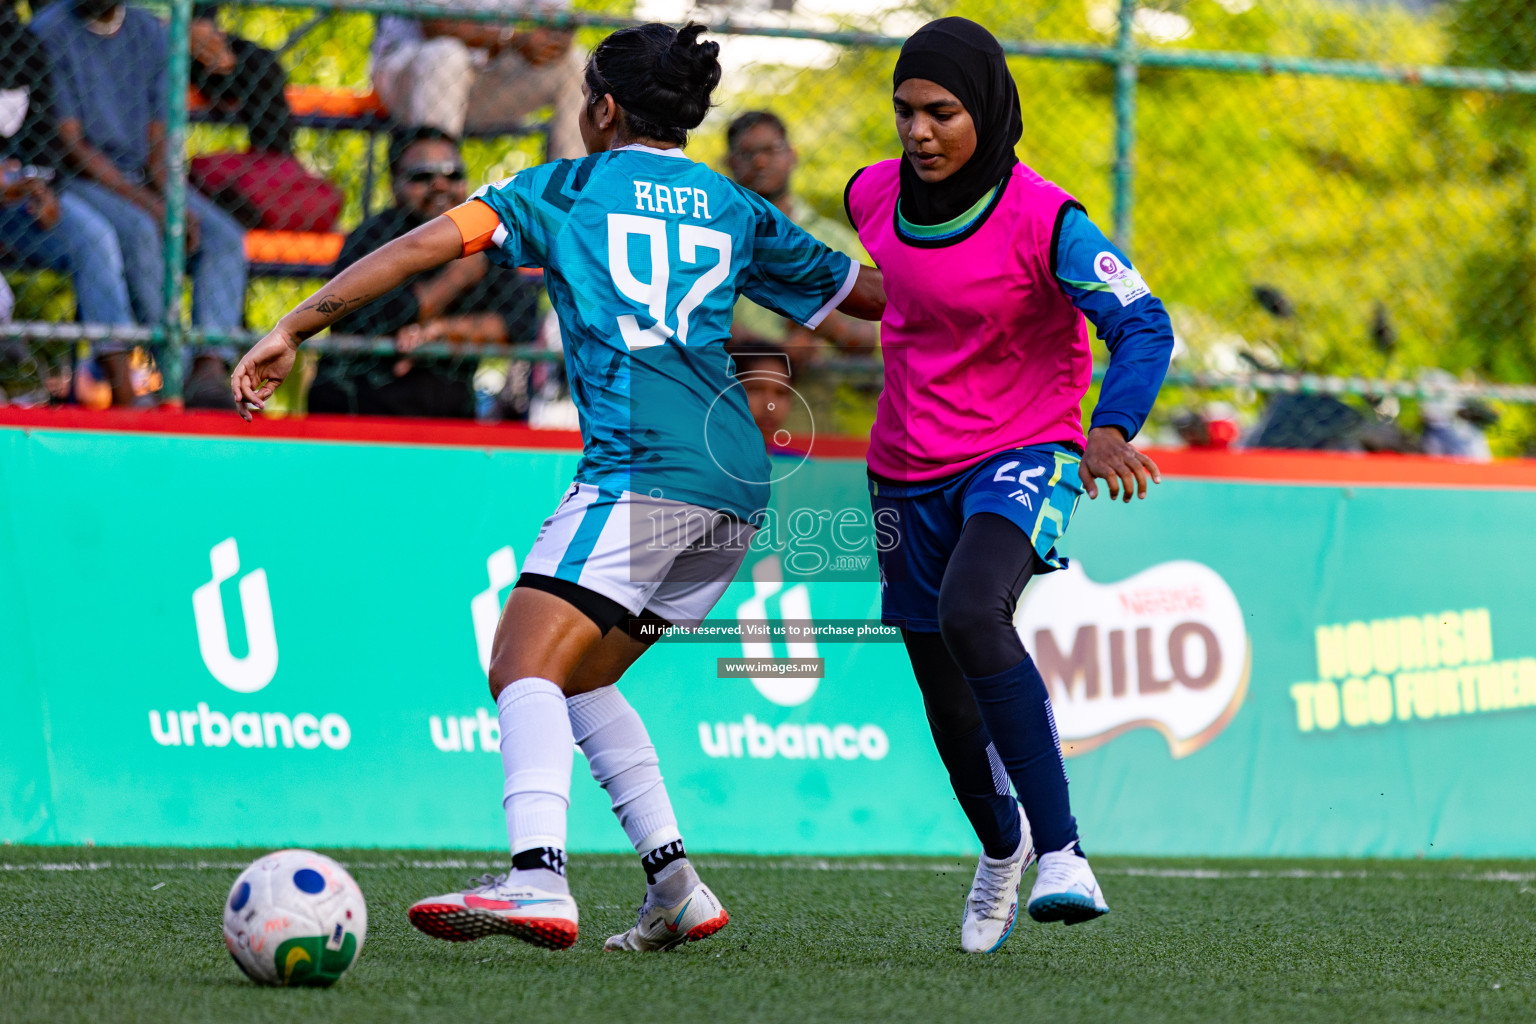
1129 319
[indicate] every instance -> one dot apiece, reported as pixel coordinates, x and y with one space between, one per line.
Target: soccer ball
295 917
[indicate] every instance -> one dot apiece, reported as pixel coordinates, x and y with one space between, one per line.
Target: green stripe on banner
1236 668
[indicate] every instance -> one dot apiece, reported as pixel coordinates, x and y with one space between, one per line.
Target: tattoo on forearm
327 304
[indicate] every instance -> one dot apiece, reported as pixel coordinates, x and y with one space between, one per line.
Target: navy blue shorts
918 525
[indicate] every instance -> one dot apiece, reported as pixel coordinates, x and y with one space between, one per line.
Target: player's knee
967 614
503 674
977 625
593 674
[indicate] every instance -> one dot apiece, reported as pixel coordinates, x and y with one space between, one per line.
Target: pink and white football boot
494 906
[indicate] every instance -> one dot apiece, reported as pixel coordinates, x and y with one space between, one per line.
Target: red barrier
1244 465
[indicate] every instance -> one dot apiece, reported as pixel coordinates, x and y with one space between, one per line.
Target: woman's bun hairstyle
661 77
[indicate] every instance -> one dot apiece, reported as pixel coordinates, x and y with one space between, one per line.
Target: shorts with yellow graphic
918 525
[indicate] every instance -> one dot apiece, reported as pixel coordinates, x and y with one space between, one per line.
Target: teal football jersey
644 253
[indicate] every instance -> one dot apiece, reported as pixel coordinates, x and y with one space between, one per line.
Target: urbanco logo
485 607
454 733
1166 649
792 741
256 669
794 604
249 728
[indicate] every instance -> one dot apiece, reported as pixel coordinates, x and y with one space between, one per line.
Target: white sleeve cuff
836 300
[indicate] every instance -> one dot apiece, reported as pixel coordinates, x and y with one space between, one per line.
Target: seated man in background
469 300
109 93
762 160
475 75
39 228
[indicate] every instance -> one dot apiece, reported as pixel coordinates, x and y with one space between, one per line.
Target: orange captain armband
477 224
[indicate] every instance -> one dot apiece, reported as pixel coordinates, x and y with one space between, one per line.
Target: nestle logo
1162 600
1166 649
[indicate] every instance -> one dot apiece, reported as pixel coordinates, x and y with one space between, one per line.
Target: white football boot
493 906
697 916
1065 889
993 903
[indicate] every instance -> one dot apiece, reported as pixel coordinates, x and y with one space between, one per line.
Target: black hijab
965 59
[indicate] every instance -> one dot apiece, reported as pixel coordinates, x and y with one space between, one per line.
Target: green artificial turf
133 935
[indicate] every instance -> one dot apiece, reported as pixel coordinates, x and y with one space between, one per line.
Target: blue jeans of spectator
217 269
84 246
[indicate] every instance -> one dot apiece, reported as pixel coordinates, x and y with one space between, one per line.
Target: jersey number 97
652 294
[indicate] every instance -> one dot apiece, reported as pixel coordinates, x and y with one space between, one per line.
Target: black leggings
987 572
987 705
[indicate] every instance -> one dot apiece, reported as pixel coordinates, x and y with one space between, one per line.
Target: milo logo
1165 649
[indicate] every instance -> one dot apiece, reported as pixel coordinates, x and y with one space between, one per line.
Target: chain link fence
1336 200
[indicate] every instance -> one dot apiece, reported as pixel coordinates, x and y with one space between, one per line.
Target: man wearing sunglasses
468 300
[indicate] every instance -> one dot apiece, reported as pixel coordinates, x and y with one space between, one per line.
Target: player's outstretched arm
1111 458
867 300
268 363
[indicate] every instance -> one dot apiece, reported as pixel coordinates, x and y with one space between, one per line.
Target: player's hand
1110 457
262 371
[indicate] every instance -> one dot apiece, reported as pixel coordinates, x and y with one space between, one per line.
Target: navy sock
983 797
1016 708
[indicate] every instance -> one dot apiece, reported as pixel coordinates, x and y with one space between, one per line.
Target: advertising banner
263 642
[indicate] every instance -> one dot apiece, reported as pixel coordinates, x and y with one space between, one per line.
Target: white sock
624 763
536 755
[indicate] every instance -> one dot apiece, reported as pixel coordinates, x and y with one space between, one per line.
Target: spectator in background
469 300
455 75
236 75
762 160
39 228
1453 425
767 377
108 80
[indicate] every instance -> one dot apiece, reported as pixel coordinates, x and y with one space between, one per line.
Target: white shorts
670 558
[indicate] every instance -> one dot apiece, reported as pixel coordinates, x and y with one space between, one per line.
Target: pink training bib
983 351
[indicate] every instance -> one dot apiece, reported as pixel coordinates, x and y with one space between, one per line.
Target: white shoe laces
487 881
988 889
